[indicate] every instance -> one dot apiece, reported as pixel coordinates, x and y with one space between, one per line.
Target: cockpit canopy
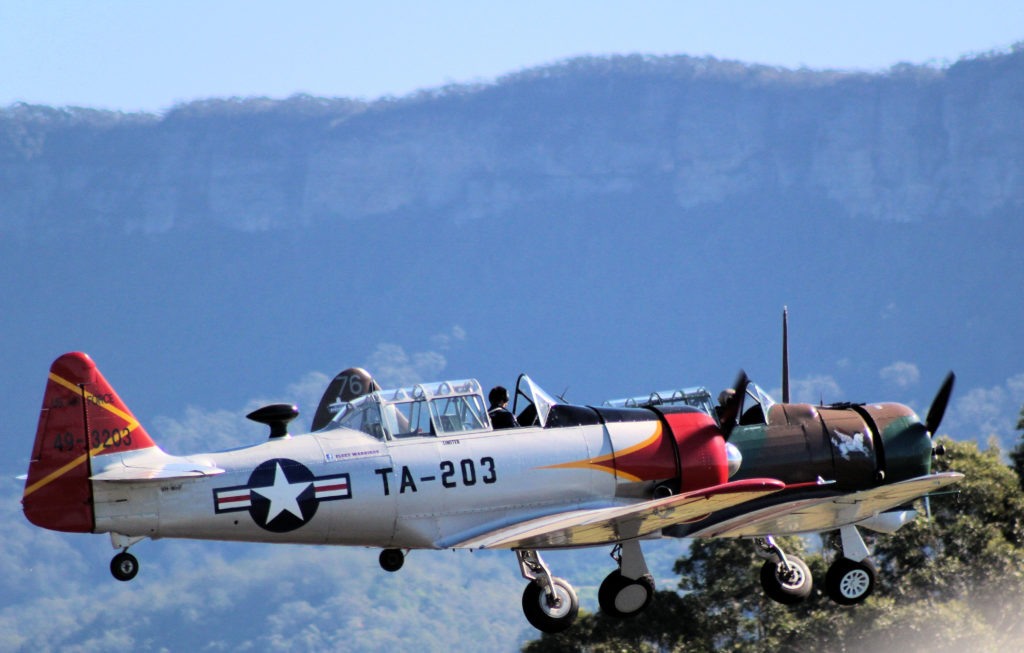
753 409
444 408
697 397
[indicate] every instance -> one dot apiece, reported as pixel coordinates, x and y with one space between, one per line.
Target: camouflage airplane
409 468
845 465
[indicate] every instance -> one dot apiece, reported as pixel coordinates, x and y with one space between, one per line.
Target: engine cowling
700 449
856 445
682 449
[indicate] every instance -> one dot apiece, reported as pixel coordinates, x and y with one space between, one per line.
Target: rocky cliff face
908 145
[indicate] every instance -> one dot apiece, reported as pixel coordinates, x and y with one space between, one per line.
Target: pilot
501 416
723 398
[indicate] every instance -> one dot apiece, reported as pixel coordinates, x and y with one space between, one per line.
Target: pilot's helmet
725 395
498 395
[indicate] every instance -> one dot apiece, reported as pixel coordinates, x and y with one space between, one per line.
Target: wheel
391 559
786 586
848 582
546 617
623 597
124 566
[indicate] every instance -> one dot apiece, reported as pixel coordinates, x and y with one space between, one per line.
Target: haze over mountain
611 225
915 143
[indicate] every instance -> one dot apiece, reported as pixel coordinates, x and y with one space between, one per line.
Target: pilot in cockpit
501 416
723 398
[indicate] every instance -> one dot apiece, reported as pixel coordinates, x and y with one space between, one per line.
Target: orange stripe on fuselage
606 462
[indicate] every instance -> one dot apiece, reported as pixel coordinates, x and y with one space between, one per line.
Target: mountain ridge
911 144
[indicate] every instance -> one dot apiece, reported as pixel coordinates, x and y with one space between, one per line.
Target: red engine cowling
699 447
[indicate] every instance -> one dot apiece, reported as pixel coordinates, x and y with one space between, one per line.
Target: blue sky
129 55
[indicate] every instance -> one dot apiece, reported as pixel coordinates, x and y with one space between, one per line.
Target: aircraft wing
606 525
813 515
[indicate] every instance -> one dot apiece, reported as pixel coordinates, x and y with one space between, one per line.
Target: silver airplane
410 468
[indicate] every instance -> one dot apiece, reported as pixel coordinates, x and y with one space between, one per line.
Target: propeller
938 407
730 414
932 421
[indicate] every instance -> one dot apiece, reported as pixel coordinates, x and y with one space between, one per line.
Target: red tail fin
82 417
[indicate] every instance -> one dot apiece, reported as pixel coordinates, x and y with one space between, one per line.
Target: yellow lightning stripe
46 480
57 473
132 422
596 463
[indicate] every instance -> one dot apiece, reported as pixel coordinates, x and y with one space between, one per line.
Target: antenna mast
785 354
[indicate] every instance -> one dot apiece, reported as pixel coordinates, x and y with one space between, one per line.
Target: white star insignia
283 496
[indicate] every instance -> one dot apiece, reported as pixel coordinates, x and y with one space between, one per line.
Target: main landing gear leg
549 603
851 578
124 566
785 579
628 590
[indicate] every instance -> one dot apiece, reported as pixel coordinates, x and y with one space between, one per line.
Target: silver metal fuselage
414 492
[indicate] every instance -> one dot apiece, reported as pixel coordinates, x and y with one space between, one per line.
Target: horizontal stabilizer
156 472
613 524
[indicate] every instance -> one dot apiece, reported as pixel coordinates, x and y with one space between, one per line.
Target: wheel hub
631 598
791 577
559 606
854 583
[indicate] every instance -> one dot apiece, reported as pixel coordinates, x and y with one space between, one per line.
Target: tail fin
82 417
348 385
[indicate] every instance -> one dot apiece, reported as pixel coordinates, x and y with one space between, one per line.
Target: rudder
82 417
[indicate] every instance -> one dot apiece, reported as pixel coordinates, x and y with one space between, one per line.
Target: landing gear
623 597
628 590
848 582
851 578
391 559
788 584
549 603
785 579
547 614
124 566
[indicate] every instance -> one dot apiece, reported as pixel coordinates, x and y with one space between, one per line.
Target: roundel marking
282 494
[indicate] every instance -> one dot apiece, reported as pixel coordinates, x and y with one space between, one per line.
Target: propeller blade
938 407
730 414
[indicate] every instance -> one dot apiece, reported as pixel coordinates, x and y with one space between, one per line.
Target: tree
953 581
1017 453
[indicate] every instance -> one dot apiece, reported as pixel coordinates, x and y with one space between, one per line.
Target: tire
788 589
622 597
848 582
548 618
124 566
391 559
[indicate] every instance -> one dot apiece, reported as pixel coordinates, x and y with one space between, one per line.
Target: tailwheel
788 583
391 559
124 566
848 582
623 597
550 614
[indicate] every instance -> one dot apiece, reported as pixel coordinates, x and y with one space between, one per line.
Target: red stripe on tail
82 417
